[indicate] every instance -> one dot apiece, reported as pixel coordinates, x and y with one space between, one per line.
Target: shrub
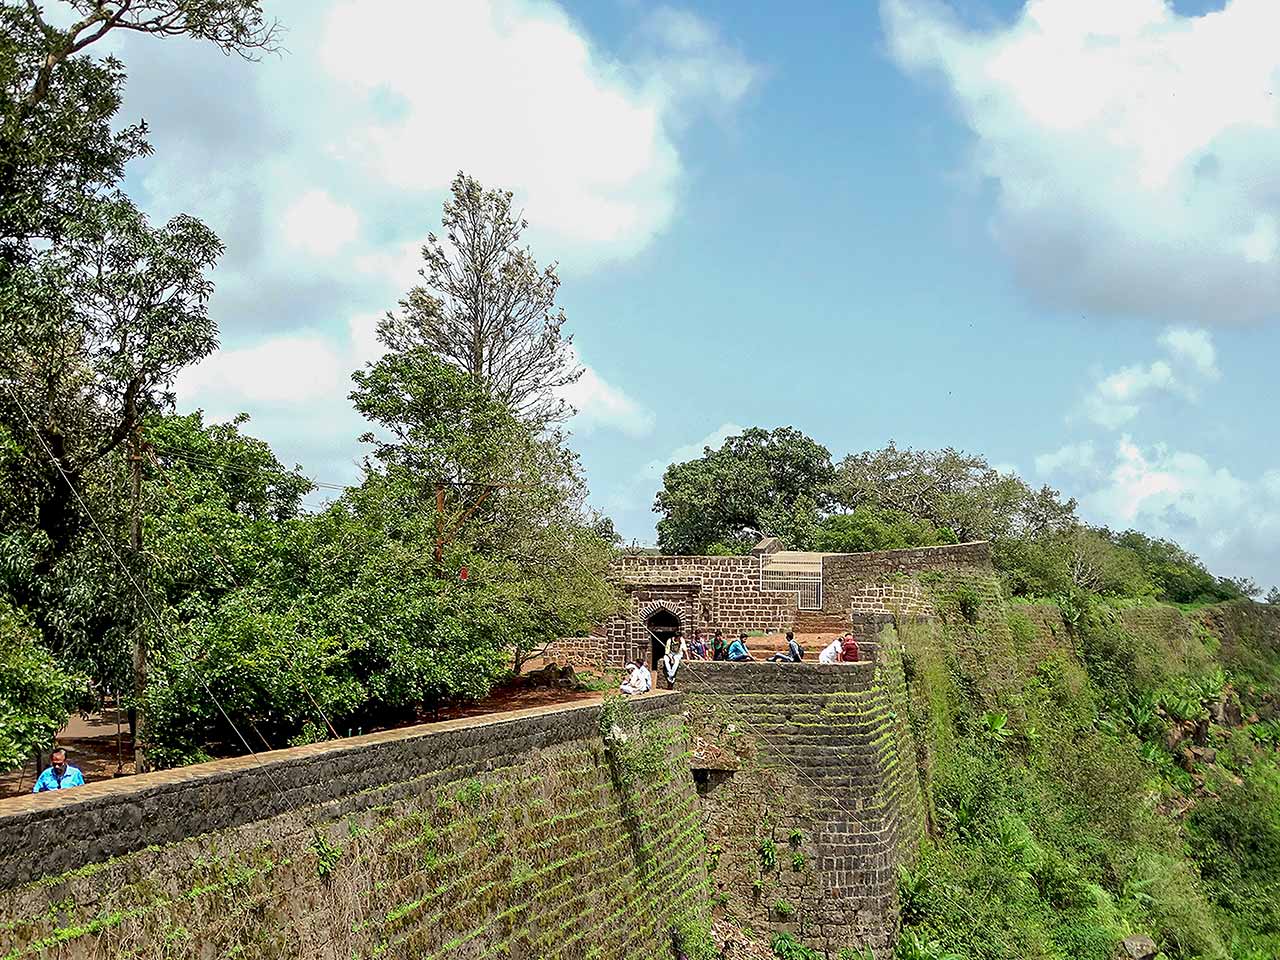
787 947
768 854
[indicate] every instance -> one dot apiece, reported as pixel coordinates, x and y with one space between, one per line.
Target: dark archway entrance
663 625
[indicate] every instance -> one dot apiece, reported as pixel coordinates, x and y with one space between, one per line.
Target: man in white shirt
831 652
639 680
676 652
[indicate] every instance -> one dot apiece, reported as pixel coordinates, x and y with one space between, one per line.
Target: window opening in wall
790 571
705 780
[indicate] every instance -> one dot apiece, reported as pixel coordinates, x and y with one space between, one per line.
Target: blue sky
1045 232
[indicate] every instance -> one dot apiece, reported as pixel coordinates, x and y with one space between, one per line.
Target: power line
141 593
306 688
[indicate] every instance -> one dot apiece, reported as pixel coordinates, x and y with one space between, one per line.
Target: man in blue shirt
738 650
60 775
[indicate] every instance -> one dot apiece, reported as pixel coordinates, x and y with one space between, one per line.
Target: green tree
876 528
1178 575
36 693
760 483
486 308
1273 595
98 309
952 490
513 494
123 308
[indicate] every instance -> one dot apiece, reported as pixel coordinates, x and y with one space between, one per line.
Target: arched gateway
662 624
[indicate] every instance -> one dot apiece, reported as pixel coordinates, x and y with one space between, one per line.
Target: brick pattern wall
825 775
899 596
706 593
578 652
847 576
500 837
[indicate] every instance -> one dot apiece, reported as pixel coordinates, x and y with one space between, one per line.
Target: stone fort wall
506 837
704 593
809 794
860 590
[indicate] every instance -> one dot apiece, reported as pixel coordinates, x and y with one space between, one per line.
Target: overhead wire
141 593
214 463
306 688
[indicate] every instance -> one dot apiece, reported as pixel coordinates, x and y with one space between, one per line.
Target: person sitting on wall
793 654
639 680
831 652
718 648
59 775
698 649
671 660
737 652
849 649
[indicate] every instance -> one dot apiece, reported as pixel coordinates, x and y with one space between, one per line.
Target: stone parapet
509 835
823 786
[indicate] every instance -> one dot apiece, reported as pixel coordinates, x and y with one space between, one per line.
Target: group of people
843 649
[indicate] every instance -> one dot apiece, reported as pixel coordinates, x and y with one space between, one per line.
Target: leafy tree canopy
760 483
36 693
486 308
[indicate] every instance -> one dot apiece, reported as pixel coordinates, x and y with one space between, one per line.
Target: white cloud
365 345
1071 459
1129 146
1232 522
328 167
1195 347
583 140
1116 398
293 370
317 224
600 404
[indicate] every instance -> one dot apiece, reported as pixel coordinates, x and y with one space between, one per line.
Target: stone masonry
810 798
861 591
508 836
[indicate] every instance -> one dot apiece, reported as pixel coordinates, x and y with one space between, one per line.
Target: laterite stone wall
705 593
810 800
516 837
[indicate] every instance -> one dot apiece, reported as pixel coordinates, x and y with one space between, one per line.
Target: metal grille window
791 571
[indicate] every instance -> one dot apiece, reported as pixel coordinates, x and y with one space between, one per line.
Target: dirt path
90 743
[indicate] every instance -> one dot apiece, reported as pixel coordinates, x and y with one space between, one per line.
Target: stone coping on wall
64 830
763 677
977 550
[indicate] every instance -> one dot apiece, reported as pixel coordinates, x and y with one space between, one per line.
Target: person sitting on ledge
639 679
849 649
59 775
718 648
737 652
698 649
793 654
831 652
677 650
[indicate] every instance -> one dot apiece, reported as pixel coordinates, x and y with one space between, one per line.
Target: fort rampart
507 837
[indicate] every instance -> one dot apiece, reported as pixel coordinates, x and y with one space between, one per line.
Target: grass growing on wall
1059 822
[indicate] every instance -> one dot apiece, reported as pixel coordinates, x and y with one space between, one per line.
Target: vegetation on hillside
1126 785
782 483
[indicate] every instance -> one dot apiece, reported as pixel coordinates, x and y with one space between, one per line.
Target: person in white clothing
639 679
676 652
831 652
